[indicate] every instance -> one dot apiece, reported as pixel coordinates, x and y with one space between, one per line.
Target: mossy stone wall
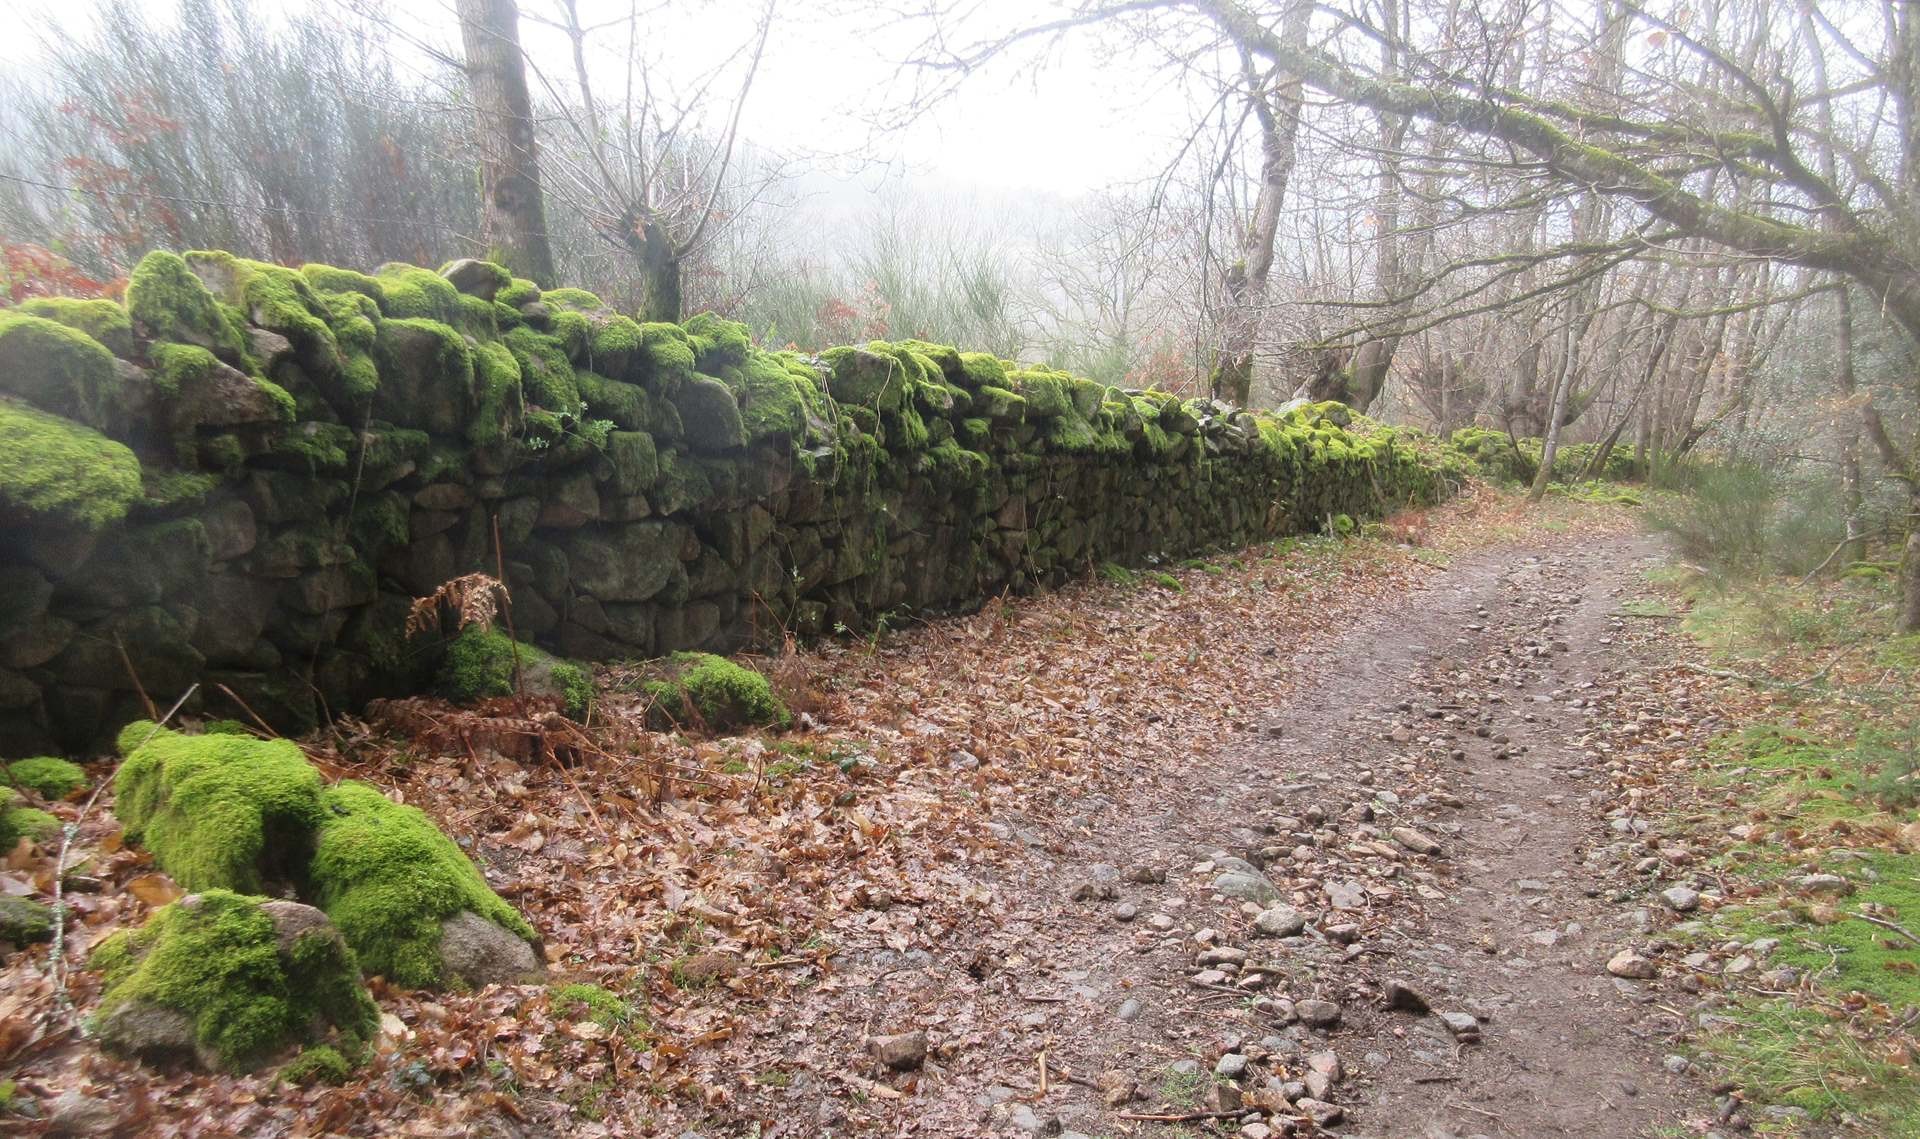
246 480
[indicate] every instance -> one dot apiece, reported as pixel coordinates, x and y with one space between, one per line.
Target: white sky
1081 123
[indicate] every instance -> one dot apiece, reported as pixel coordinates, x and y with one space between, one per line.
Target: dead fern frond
472 599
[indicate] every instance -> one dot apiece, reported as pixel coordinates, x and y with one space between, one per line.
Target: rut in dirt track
1458 713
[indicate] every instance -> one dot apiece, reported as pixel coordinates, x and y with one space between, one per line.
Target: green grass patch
1783 1053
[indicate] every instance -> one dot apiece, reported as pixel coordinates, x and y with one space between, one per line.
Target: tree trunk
1910 566
659 272
513 220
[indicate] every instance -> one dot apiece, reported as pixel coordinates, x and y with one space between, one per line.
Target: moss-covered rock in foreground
218 812
228 981
402 892
480 663
703 690
228 812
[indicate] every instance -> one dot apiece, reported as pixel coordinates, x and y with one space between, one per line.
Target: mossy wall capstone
246 481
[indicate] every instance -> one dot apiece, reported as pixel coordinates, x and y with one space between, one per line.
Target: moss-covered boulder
709 415
104 320
60 370
712 692
409 901
480 663
56 469
47 776
227 981
230 812
218 812
167 302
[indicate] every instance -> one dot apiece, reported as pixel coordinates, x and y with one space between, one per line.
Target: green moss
636 461
104 320
227 728
519 291
175 366
389 878
579 300
717 342
58 370
479 664
170 303
501 403
1165 580
1000 405
1048 394
319 1064
982 369
546 375
48 776
666 356
871 377
328 279
18 822
216 957
218 812
592 1003
410 291
320 447
476 317
612 344
715 692
275 298
627 405
58 469
574 332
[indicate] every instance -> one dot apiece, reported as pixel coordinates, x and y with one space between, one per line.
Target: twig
62 1003
1436 1079
1181 1117
146 701
1647 616
1883 923
248 709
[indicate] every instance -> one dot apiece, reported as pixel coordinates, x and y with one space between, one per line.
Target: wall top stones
243 472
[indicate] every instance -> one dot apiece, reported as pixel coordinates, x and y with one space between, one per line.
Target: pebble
1130 1010
1230 1067
1322 1113
1125 911
76 1113
1464 1026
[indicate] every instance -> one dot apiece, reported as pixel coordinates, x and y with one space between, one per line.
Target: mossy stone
710 415
57 469
230 980
480 663
168 302
700 689
102 319
59 370
390 880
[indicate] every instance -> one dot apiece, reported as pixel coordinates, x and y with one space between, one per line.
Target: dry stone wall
243 475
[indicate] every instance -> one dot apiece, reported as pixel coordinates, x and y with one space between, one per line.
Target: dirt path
1126 974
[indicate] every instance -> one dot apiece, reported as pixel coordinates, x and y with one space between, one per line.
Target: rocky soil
1387 910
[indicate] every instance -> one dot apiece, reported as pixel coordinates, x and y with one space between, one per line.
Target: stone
1464 1026
1402 997
24 921
1280 921
903 1052
1231 1066
1117 1088
1346 896
1681 899
1415 841
1831 884
477 953
1222 955
74 1112
1322 1113
1327 1064
1130 1010
1249 887
474 277
1317 1013
1630 965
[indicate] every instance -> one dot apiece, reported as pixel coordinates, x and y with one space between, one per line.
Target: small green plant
1182 1088
1114 573
1165 580
592 1003
320 1064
